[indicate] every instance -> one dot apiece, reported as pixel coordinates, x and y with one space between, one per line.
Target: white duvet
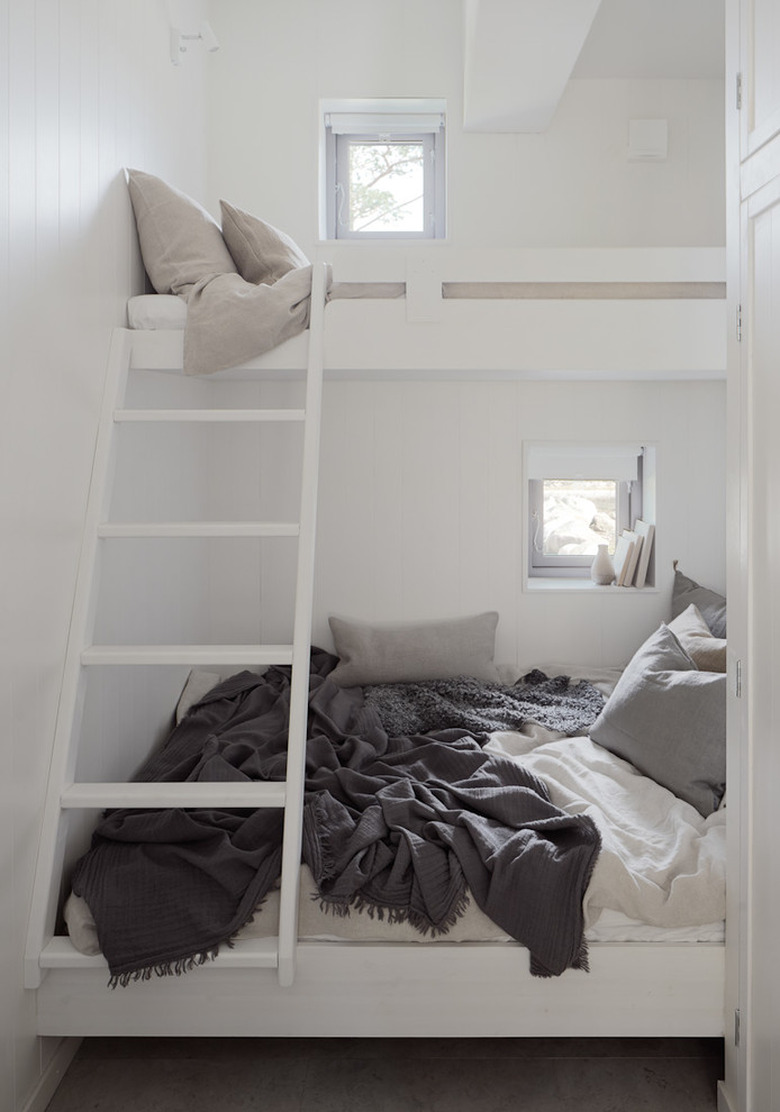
661 862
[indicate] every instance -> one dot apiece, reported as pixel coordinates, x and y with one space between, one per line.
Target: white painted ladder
63 794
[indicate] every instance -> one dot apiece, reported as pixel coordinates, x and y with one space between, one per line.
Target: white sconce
647 140
179 41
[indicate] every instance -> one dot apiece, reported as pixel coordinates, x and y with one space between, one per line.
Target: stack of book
632 554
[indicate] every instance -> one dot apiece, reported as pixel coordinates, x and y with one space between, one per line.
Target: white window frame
578 461
346 122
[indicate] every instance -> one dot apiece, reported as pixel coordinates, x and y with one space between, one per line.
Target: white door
761 1024
753 1068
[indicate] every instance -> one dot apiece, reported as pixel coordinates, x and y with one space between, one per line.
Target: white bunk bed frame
283 987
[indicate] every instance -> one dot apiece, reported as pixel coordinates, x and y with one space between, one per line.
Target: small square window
578 498
384 174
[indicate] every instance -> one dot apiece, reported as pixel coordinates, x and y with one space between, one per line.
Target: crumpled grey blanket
479 707
397 825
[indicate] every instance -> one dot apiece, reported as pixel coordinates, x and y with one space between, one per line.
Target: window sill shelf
585 586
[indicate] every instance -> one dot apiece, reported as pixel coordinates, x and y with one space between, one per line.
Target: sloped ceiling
520 54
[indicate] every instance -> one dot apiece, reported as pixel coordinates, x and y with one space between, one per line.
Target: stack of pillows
667 714
247 284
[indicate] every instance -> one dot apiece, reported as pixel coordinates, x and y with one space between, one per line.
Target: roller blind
619 462
384 123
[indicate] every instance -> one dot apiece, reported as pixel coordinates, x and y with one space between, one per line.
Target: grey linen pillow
409 652
711 605
669 720
261 252
180 242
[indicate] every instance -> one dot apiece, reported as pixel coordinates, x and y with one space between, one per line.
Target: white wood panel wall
87 88
421 507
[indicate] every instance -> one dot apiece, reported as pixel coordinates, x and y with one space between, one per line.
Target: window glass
385 190
578 515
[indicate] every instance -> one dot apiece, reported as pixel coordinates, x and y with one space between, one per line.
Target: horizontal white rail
209 415
198 529
252 794
187 654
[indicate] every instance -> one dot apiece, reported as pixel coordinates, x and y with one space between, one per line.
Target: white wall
421 508
87 89
420 494
571 186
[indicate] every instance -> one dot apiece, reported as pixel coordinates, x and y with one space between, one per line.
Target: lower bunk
641 946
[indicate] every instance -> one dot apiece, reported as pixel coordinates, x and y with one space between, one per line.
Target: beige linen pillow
180 242
261 252
414 651
707 651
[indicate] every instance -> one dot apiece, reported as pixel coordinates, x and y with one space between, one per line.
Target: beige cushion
180 242
707 651
261 252
409 652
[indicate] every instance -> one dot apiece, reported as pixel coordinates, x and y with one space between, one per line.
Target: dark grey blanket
479 707
400 825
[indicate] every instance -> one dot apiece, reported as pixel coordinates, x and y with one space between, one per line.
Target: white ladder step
250 794
209 415
198 529
187 654
249 953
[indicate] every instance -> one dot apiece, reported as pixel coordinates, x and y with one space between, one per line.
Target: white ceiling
520 54
654 38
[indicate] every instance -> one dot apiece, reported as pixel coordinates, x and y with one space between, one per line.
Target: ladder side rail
70 707
304 594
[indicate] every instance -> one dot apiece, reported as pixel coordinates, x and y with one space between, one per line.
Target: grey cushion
707 651
669 720
407 652
711 605
261 252
180 242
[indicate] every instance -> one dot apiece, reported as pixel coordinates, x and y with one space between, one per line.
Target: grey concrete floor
392 1075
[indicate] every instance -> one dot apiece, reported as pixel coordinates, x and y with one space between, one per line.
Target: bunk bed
297 970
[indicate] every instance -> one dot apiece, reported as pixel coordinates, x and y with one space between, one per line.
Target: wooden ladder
63 793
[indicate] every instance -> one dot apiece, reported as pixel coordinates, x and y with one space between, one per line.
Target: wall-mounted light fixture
179 41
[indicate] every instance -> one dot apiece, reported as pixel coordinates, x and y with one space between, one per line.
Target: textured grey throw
397 825
479 707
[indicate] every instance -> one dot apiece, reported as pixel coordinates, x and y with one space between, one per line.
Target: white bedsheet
661 862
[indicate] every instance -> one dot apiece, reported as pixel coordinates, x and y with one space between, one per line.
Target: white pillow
180 242
409 652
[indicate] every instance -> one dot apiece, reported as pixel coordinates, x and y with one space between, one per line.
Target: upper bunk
441 312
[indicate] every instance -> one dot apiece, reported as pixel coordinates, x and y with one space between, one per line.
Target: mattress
161 311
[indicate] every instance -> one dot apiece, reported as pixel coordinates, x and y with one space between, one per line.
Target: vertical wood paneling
86 87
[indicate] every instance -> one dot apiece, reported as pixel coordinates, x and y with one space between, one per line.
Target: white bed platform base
643 313
412 989
277 987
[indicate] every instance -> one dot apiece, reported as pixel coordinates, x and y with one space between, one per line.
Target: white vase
602 570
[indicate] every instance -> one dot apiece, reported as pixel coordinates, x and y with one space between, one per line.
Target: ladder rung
198 529
251 794
209 415
243 953
187 654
